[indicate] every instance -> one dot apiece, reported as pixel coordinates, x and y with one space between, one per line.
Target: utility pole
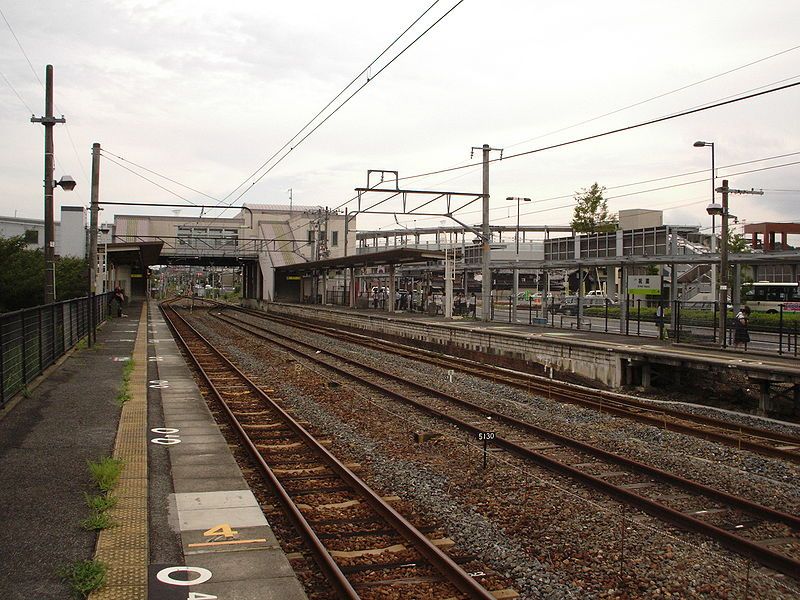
94 209
723 258
486 272
49 183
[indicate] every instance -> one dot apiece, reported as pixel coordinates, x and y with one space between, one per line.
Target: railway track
767 443
362 545
768 536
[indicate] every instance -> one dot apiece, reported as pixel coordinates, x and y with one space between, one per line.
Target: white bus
766 296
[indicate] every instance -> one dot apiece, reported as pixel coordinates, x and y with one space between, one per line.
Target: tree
591 212
738 244
72 277
22 276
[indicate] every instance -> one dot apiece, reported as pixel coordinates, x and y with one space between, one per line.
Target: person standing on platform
741 322
662 330
472 304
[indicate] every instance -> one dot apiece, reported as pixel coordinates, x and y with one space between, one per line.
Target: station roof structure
142 254
398 256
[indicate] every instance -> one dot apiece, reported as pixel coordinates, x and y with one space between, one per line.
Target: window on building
334 238
310 236
32 236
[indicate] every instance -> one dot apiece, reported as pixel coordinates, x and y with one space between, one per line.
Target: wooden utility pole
94 209
49 224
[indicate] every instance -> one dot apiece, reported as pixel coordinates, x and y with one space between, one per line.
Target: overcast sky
204 92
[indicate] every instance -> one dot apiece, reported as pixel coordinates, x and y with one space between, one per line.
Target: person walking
741 322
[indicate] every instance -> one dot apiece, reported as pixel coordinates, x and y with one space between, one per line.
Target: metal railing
32 339
685 322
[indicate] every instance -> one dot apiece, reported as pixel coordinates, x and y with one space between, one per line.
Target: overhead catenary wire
657 96
41 84
595 136
653 180
16 93
294 142
575 141
350 97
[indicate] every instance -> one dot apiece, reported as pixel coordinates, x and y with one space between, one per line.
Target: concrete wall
581 359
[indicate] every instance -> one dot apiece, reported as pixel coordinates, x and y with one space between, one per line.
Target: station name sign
644 285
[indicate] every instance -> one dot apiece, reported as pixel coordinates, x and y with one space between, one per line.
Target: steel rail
568 392
445 565
763 555
321 555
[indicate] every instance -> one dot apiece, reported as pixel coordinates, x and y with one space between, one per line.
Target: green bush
758 321
84 577
106 472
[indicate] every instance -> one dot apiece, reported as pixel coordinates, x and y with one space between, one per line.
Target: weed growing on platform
84 577
81 345
98 521
100 503
124 391
26 393
106 472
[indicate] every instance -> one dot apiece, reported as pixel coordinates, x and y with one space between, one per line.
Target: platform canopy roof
141 254
398 256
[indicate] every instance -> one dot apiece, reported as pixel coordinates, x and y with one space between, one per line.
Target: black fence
34 338
693 323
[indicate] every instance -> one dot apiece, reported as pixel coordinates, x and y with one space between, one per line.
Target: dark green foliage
591 212
22 276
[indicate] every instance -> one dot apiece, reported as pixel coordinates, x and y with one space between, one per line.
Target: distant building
640 218
70 232
258 239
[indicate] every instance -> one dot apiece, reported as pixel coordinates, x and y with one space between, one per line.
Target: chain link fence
32 339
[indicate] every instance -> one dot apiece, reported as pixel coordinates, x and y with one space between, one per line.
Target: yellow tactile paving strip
124 547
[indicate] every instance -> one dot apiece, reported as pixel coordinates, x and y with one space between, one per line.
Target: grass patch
100 503
82 344
98 521
106 472
84 577
124 393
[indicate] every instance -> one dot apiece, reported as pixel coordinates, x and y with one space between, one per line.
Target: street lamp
515 287
713 209
519 199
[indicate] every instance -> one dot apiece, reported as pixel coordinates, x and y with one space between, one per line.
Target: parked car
569 305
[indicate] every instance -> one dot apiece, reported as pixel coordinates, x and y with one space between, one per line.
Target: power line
383 68
336 97
671 186
158 185
644 181
657 96
183 185
36 75
613 131
25 54
13 89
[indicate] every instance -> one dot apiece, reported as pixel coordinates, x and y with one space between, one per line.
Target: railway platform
613 360
185 520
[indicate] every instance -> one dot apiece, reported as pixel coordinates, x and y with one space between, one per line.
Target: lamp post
515 287
66 182
712 212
